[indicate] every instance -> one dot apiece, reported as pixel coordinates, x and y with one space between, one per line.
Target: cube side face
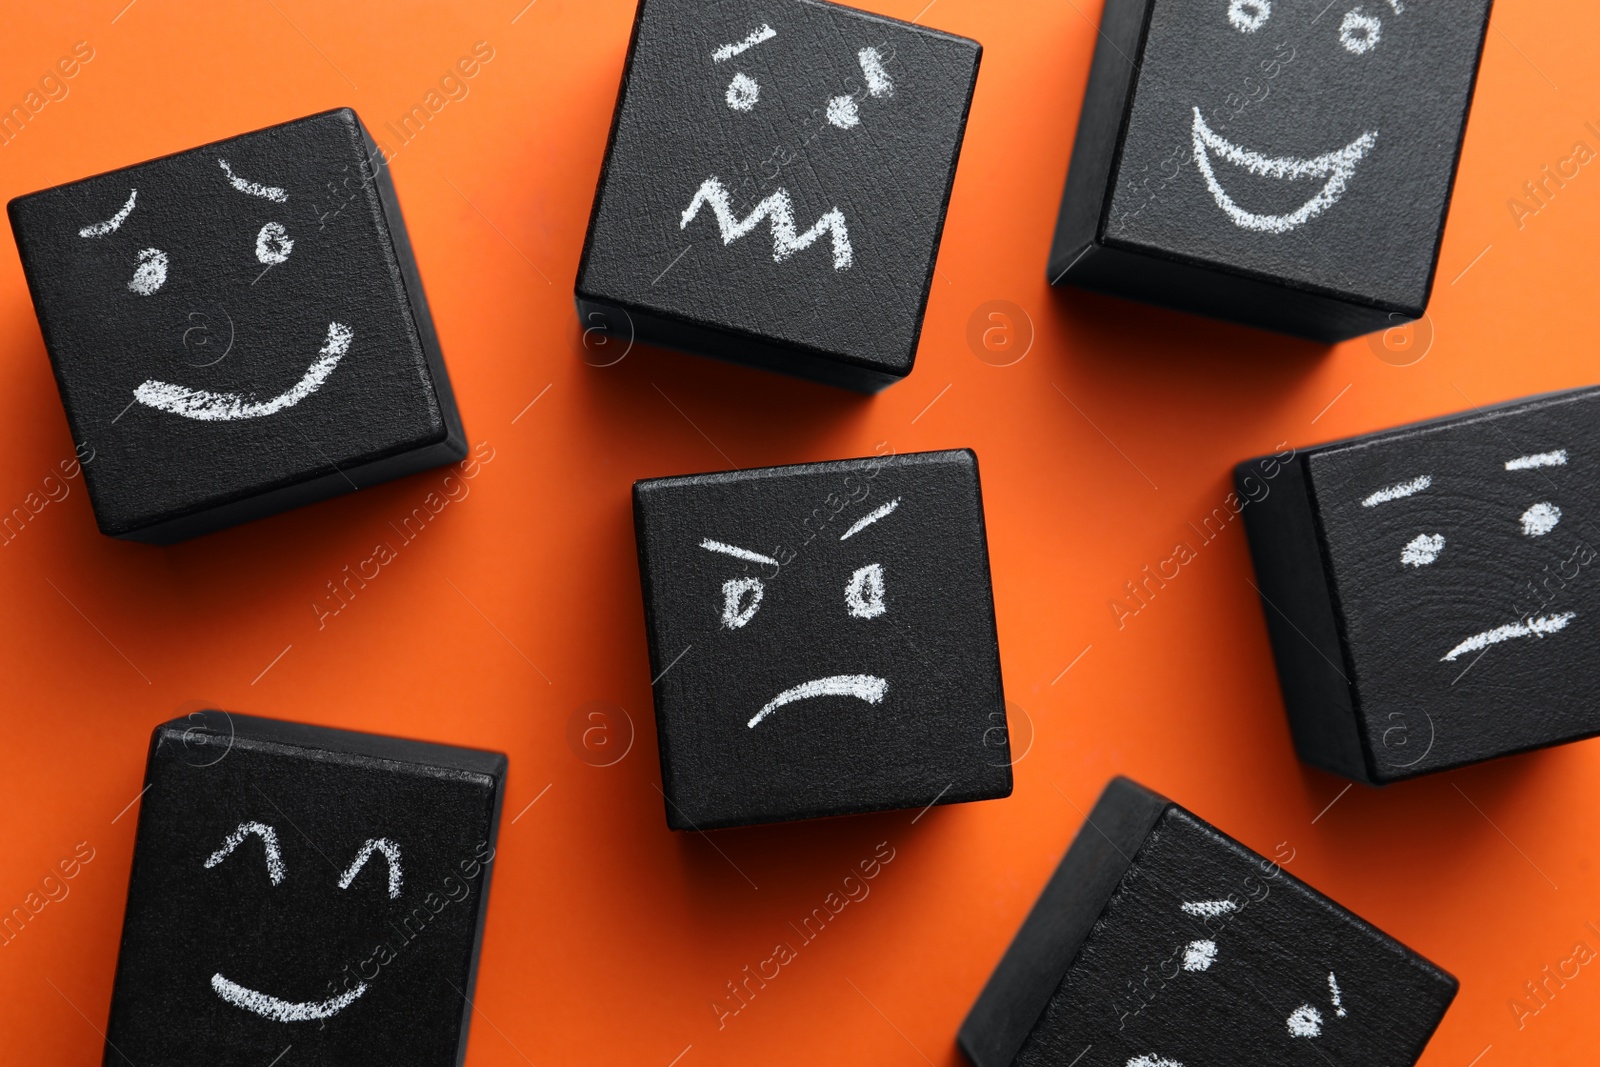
1273 141
219 332
1462 553
1202 930
283 894
782 175
823 638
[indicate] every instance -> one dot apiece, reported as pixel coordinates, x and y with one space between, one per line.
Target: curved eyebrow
867 520
270 192
391 852
100 229
269 841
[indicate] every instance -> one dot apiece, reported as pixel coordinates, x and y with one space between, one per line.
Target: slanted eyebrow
867 520
761 34
1558 458
736 552
1398 492
249 188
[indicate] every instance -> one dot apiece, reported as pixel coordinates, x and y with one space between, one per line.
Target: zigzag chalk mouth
778 208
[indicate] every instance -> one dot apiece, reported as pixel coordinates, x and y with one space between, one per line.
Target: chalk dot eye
1248 16
743 92
863 595
843 112
741 599
273 244
1359 33
150 273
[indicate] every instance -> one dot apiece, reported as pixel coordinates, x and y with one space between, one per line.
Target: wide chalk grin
1337 167
868 687
283 1011
206 406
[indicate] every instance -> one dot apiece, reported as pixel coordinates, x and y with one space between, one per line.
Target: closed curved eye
269 843
1248 16
741 599
864 593
390 851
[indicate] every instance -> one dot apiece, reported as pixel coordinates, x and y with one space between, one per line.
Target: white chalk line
861 686
391 852
100 229
1540 627
206 406
867 520
269 842
760 35
267 192
879 84
284 1011
1558 458
1338 998
1209 909
1398 492
778 209
1337 166
736 552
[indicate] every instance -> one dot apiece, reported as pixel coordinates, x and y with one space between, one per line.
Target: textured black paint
1361 635
1139 220
938 732
325 793
225 322
646 275
1105 971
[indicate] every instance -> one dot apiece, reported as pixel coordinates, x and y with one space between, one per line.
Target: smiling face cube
1285 163
294 885
822 639
775 186
237 329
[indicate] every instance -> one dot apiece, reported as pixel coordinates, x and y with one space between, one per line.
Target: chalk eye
863 595
273 244
150 273
1359 33
741 599
1248 16
743 92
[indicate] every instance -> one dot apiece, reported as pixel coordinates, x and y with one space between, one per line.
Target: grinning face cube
822 638
779 172
232 320
294 885
1463 558
1299 140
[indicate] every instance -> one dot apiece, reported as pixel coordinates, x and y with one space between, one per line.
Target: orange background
609 937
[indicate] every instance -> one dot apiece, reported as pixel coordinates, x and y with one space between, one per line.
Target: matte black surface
1243 90
889 177
226 320
1416 697
1152 984
933 729
412 943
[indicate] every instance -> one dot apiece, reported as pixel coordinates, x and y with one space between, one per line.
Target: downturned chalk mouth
1337 167
868 687
284 1011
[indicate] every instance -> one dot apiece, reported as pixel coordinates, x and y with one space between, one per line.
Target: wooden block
237 329
1278 164
1162 942
295 885
822 639
775 186
1430 590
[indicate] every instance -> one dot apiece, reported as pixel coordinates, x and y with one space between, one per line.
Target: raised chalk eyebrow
728 51
269 842
1558 458
100 229
206 406
1398 492
391 852
861 686
779 209
867 520
1209 909
1540 627
283 1011
269 192
736 552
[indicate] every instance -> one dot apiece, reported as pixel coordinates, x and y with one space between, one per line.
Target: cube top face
228 320
823 639
1313 146
1461 556
1208 955
781 170
305 886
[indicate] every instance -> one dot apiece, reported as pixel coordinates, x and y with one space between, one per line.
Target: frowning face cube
822 638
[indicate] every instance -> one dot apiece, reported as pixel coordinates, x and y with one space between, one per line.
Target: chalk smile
206 406
1336 167
283 1011
866 687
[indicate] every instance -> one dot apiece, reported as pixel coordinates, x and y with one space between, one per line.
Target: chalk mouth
1541 627
283 1011
867 687
1337 167
207 406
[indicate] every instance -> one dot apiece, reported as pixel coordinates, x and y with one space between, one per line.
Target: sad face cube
1431 591
822 639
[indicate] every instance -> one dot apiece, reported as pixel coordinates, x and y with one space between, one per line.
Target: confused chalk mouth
868 687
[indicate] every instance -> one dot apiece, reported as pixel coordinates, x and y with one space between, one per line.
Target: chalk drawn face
1296 137
1463 563
821 647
